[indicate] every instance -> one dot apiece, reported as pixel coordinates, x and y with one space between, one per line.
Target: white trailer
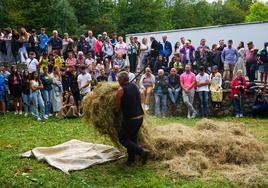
255 31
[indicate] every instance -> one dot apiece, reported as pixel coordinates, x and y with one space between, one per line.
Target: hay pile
208 147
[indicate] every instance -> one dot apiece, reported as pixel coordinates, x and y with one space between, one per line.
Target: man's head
182 40
135 39
73 73
187 68
55 33
83 69
164 38
173 71
160 72
202 70
123 78
250 45
116 69
90 33
107 39
104 34
203 42
230 43
127 68
132 39
102 71
120 39
221 43
43 31
152 38
31 55
265 44
187 43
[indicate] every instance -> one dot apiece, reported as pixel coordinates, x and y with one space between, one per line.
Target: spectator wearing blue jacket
229 57
165 48
43 38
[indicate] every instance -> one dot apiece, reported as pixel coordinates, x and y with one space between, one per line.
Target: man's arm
118 96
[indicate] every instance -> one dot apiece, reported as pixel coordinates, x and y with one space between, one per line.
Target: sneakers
189 115
45 117
241 115
38 119
237 115
50 115
194 115
26 114
17 112
20 113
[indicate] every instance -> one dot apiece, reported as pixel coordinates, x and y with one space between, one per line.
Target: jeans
128 134
37 101
251 69
239 105
23 54
203 96
188 99
47 100
157 104
173 95
26 103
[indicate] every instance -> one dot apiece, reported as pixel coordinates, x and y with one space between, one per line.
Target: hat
99 36
266 44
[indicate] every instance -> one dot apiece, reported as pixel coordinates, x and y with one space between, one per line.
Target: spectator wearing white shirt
120 48
202 82
84 81
107 48
32 63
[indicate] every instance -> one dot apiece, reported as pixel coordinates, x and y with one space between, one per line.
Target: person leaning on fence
238 92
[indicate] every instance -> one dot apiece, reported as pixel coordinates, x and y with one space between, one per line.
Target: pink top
187 79
120 48
98 47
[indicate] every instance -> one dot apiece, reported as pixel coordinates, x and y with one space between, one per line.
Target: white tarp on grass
75 155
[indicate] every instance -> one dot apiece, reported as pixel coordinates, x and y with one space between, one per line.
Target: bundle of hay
187 151
98 108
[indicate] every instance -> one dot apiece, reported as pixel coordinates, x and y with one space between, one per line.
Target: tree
258 12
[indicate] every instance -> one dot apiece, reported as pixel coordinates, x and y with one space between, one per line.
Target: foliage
258 12
126 16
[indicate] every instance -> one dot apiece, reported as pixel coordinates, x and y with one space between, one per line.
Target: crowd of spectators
58 72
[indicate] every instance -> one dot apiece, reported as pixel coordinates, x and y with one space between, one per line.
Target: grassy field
20 134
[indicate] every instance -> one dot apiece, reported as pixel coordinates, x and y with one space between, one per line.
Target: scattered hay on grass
190 152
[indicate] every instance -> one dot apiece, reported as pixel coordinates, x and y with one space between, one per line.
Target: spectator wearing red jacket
238 92
98 46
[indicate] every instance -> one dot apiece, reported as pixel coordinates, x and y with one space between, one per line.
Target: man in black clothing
128 100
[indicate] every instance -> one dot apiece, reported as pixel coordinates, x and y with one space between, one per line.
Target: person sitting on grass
69 109
238 92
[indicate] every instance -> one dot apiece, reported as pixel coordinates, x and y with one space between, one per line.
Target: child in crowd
32 63
69 108
215 87
43 62
26 92
57 60
75 90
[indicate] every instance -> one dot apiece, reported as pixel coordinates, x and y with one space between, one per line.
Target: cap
99 35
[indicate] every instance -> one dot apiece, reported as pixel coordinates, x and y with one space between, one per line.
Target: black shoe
145 156
129 163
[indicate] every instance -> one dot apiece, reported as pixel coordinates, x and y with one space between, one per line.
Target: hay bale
187 151
98 107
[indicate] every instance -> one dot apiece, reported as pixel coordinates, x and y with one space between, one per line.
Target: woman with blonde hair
147 83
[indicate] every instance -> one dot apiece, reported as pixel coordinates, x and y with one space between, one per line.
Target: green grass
19 134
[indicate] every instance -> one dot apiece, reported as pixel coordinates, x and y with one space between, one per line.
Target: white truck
255 31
